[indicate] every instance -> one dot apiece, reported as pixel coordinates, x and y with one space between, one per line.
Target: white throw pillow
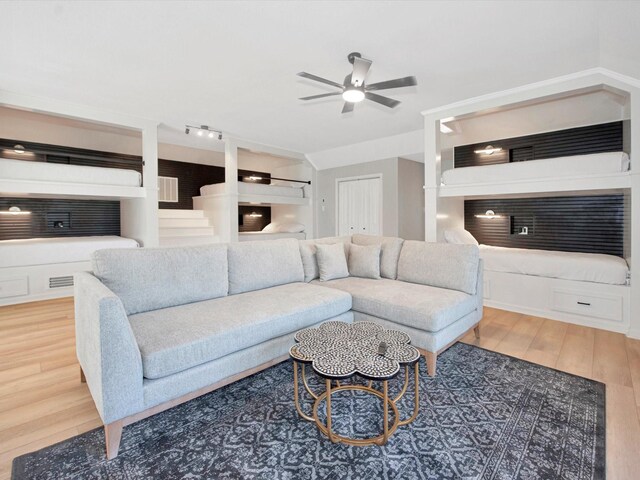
332 262
290 227
364 261
271 228
459 236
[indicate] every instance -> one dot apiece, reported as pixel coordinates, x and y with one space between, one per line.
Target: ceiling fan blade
386 101
361 67
319 79
348 107
322 95
396 83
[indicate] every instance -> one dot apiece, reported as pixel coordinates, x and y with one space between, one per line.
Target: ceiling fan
354 89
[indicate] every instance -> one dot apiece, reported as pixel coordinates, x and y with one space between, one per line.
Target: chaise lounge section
158 327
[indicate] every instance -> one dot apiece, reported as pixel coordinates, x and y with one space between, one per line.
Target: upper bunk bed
279 191
54 171
579 159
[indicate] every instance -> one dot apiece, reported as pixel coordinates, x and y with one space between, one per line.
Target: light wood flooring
43 402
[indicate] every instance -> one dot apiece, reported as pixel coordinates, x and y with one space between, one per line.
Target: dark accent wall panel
191 176
588 224
247 223
606 137
59 218
40 152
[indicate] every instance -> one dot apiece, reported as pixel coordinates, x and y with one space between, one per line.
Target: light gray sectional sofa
158 327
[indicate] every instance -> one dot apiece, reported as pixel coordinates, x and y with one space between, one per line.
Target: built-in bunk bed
258 192
557 255
58 206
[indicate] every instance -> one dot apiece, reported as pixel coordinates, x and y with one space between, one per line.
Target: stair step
184 222
186 232
176 213
182 241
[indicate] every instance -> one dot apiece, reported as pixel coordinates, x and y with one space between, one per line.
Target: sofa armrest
107 350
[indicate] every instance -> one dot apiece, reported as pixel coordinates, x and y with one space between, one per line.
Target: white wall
410 199
325 197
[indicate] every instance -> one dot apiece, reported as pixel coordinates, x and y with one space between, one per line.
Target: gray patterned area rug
485 415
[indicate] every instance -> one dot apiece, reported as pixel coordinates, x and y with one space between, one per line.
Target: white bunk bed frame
138 205
222 208
610 307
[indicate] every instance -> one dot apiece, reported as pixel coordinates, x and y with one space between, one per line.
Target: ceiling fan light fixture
353 95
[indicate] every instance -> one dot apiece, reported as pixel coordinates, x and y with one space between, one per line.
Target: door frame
351 179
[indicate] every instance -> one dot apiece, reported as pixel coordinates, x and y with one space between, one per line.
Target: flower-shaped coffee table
338 351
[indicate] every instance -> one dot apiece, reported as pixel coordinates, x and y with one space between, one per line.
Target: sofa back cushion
152 278
440 265
391 247
263 264
309 259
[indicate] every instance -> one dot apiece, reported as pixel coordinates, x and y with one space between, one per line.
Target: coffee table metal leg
329 432
296 393
385 414
416 400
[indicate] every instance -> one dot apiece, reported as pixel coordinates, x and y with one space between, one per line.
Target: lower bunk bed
42 268
584 288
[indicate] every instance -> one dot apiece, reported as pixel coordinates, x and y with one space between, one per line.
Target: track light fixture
201 130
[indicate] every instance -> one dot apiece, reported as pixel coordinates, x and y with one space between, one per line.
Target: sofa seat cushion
419 306
177 338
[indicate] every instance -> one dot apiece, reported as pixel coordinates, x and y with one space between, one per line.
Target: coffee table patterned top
340 350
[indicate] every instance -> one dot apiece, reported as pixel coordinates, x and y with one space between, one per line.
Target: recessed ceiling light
353 95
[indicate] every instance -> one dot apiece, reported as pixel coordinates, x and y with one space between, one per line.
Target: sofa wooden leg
83 379
431 358
476 330
112 436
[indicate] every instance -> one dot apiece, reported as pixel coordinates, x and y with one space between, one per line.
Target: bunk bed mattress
583 267
47 251
61 173
245 188
574 166
249 236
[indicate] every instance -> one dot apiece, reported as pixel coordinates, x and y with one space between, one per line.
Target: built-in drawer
609 307
13 287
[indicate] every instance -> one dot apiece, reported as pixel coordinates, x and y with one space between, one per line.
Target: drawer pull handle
584 303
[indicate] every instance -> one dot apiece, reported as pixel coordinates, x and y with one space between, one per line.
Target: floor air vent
59 282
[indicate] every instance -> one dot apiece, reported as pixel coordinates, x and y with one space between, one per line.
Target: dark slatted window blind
589 224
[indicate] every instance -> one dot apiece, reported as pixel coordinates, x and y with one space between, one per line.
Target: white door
359 206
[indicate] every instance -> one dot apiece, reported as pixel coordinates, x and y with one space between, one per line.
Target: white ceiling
232 65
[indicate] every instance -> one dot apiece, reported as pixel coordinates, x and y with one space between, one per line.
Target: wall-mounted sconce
15 211
488 214
254 178
19 149
488 150
255 214
203 130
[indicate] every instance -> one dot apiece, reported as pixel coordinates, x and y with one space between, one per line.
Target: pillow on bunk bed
287 227
332 262
364 261
459 236
271 228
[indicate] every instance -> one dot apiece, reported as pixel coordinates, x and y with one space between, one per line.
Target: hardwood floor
43 402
